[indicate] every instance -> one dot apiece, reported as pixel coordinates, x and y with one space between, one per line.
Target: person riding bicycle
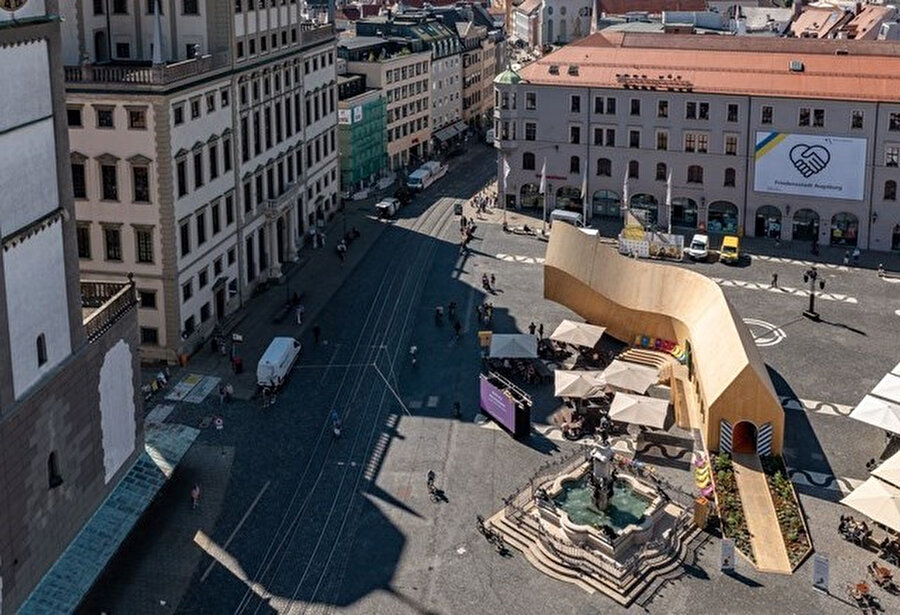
335 418
412 353
429 480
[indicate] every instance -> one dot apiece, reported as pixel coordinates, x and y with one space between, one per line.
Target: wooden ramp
765 535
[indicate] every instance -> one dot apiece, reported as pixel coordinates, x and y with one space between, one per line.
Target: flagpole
505 181
669 201
543 191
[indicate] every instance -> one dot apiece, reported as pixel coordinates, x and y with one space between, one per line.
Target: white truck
276 362
426 175
699 248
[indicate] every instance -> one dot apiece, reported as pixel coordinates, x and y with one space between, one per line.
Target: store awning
888 388
513 346
631 376
889 470
448 132
639 410
879 412
578 333
578 384
877 500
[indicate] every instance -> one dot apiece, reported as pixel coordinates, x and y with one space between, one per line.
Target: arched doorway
895 238
722 217
743 437
645 206
101 47
550 40
607 203
844 229
768 222
562 30
684 212
805 225
568 197
530 196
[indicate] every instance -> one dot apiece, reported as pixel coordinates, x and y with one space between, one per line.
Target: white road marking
793 261
516 258
769 334
784 290
827 408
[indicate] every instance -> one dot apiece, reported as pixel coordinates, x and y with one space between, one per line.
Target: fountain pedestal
602 477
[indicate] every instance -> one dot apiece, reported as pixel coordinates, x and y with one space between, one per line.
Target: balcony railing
143 73
106 302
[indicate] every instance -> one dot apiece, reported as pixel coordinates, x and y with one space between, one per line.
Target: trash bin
238 365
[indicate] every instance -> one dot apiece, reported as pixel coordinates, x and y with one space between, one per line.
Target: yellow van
731 250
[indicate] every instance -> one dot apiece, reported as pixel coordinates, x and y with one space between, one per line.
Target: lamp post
811 277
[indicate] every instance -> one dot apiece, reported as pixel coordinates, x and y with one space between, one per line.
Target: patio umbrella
881 413
631 376
578 384
888 388
513 346
577 333
878 501
639 410
889 470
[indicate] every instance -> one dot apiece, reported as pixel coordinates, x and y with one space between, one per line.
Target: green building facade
362 139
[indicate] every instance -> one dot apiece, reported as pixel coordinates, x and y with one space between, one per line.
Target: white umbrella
578 384
577 333
877 500
889 470
888 388
631 376
881 413
639 410
513 346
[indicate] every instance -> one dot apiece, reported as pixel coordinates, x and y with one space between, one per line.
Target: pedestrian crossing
793 261
784 290
525 260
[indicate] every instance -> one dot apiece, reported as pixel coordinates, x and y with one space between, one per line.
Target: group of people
488 283
854 256
466 231
485 312
344 243
890 549
857 532
482 201
439 317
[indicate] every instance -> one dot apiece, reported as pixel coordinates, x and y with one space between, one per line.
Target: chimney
858 8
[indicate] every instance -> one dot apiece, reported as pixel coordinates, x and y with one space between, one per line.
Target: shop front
805 225
895 238
607 203
646 207
530 197
768 222
569 197
844 229
685 212
722 217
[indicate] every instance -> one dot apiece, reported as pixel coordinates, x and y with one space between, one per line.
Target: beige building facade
794 151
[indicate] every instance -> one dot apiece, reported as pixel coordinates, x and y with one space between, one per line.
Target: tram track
382 329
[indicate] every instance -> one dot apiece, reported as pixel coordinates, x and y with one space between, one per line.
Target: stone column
291 229
274 256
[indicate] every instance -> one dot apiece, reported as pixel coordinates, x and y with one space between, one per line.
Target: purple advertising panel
497 404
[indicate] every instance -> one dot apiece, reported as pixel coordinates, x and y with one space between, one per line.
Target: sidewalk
762 521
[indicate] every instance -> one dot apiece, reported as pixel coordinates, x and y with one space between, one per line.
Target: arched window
53 476
890 190
730 176
528 161
633 169
695 174
574 164
661 171
604 167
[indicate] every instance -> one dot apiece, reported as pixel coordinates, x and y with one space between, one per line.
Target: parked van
731 250
426 175
569 217
277 361
699 248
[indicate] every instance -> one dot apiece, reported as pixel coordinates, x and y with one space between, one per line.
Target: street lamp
811 277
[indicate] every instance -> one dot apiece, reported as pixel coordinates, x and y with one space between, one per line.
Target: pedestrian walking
490 312
300 311
880 270
532 327
462 222
195 496
480 310
229 392
856 254
493 281
457 327
457 411
541 331
317 332
846 257
774 282
221 394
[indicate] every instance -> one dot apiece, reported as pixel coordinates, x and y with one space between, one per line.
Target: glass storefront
722 217
684 212
805 225
646 207
844 229
895 238
568 197
768 222
607 203
530 197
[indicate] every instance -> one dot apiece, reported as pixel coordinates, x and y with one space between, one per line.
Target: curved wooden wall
632 297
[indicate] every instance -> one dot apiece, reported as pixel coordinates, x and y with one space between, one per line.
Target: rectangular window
702 143
530 101
83 234
112 239
201 228
195 108
804 117
610 137
226 155
143 239
187 291
181 176
178 115
123 50
229 210
856 119
120 7
574 134
662 108
894 121
79 184
98 7
690 110
189 325
205 310
217 266
635 106
213 161
732 115
610 106
819 118
105 118
766 115
73 117
231 256
140 178
598 105
216 218
703 111
891 156
151 7
147 299
224 98
211 102
731 145
149 336
634 139
190 7
137 119
184 232
109 182
203 278
198 169
662 140
690 142
575 104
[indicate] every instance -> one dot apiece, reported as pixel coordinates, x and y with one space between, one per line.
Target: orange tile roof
864 70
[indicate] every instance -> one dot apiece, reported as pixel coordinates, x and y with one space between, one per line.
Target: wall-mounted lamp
874 217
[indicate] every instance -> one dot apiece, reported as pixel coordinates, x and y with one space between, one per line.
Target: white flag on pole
543 188
669 190
625 190
505 173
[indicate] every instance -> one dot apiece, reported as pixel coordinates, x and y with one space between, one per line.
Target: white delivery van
277 362
387 207
426 175
569 217
699 248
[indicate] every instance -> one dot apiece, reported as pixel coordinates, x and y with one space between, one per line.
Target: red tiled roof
832 69
620 7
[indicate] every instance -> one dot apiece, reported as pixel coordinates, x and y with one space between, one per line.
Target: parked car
387 207
731 250
699 248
